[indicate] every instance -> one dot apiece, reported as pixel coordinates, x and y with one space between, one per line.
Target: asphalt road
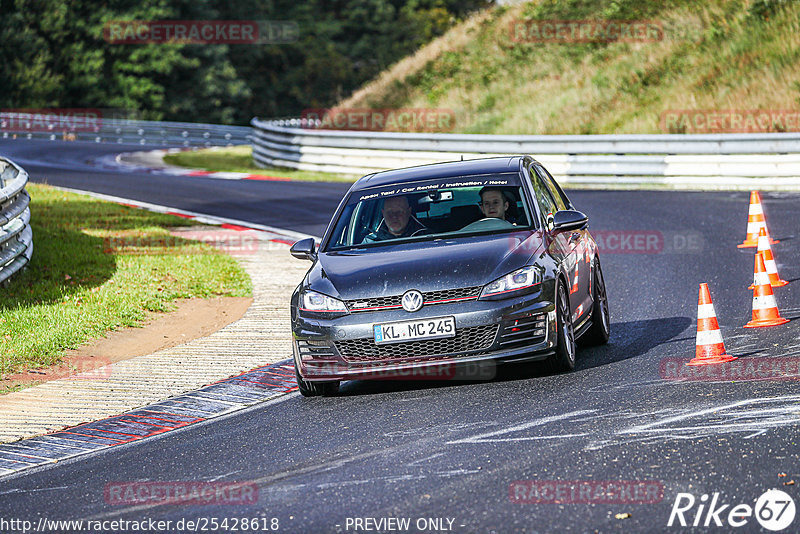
305 209
457 451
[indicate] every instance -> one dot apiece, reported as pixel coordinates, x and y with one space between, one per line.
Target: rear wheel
315 389
598 333
563 360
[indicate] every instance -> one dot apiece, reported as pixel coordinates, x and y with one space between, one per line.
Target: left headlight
312 301
525 280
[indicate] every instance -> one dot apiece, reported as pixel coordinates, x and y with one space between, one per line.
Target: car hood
425 266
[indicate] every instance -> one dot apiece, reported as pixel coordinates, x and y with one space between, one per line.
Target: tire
315 389
563 361
598 333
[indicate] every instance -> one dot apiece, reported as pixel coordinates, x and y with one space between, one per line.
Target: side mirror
304 249
569 220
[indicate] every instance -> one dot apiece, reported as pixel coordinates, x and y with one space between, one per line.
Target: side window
362 219
342 234
555 191
544 198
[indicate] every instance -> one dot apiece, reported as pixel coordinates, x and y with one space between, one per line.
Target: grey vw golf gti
447 265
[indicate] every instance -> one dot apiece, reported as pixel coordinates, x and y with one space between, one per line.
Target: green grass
715 55
79 285
240 159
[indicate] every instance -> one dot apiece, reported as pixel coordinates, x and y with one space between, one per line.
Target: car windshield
432 209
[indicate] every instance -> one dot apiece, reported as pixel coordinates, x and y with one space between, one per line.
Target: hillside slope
490 71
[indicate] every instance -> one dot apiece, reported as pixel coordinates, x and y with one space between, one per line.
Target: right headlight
314 302
522 281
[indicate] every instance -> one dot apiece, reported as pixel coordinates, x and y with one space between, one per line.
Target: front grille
377 302
431 297
525 331
473 338
450 294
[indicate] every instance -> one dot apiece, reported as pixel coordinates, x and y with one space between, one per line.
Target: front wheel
315 389
563 361
598 333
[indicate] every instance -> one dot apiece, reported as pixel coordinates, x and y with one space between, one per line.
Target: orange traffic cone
709 347
755 221
769 262
765 309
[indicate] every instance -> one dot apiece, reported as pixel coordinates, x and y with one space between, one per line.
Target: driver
397 221
493 202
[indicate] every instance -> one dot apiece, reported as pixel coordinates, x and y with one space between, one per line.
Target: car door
574 243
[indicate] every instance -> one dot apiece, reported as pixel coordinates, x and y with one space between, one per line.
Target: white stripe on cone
764 302
755 209
763 246
705 311
771 267
761 279
763 242
708 337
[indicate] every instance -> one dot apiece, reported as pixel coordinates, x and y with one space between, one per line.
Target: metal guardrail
172 134
680 160
16 237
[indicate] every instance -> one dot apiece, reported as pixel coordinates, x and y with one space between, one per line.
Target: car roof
440 170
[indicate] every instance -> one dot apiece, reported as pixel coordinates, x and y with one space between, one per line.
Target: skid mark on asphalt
632 385
33 490
749 417
452 427
219 398
282 489
426 459
493 436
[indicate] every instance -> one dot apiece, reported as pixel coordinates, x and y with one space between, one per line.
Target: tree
54 54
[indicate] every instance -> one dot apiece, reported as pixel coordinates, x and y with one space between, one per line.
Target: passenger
397 221
494 203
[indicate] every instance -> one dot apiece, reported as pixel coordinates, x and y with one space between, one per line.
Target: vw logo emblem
412 300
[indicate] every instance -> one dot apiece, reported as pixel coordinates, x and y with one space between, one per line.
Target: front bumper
487 332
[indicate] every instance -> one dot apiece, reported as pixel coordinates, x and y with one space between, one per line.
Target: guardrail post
16 237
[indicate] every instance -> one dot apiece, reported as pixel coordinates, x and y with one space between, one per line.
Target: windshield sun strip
514 180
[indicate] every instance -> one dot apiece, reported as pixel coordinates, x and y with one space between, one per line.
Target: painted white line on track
200 217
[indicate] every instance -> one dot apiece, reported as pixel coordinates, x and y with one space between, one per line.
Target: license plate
433 328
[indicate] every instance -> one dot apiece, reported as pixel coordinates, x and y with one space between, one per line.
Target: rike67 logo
774 510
